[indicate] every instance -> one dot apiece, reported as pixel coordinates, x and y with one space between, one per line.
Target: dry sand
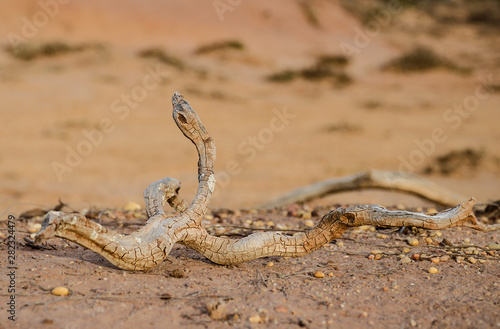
51 105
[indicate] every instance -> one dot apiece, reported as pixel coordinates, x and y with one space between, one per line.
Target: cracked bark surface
150 245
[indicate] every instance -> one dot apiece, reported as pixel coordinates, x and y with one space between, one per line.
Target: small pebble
412 242
217 310
309 223
494 246
433 270
255 318
292 207
429 241
258 223
435 260
132 206
405 260
281 309
413 323
220 230
472 260
415 256
471 250
378 256
467 240
60 291
460 259
484 219
374 252
431 211
304 214
270 264
444 258
341 244
209 217
330 274
34 228
382 236
406 250
319 274
371 257
177 273
447 242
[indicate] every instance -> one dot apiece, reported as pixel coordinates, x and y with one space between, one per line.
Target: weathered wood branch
150 245
371 179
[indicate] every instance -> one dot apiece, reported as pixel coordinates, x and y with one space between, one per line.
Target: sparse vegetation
222 45
343 127
455 161
422 59
494 88
372 104
283 76
326 67
333 60
309 13
31 51
162 56
486 14
483 13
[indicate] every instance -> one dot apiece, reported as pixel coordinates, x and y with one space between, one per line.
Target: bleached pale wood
371 179
150 245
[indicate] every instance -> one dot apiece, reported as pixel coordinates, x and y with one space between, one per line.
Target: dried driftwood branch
372 179
150 245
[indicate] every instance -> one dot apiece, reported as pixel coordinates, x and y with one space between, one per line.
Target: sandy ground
93 127
274 292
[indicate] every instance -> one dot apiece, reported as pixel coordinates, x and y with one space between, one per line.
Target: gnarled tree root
371 179
150 245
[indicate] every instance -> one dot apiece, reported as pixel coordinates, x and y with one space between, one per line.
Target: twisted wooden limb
461 215
159 192
371 179
150 245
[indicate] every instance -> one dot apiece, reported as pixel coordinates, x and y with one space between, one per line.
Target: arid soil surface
293 93
366 281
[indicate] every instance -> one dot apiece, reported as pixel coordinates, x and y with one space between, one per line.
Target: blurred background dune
293 92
